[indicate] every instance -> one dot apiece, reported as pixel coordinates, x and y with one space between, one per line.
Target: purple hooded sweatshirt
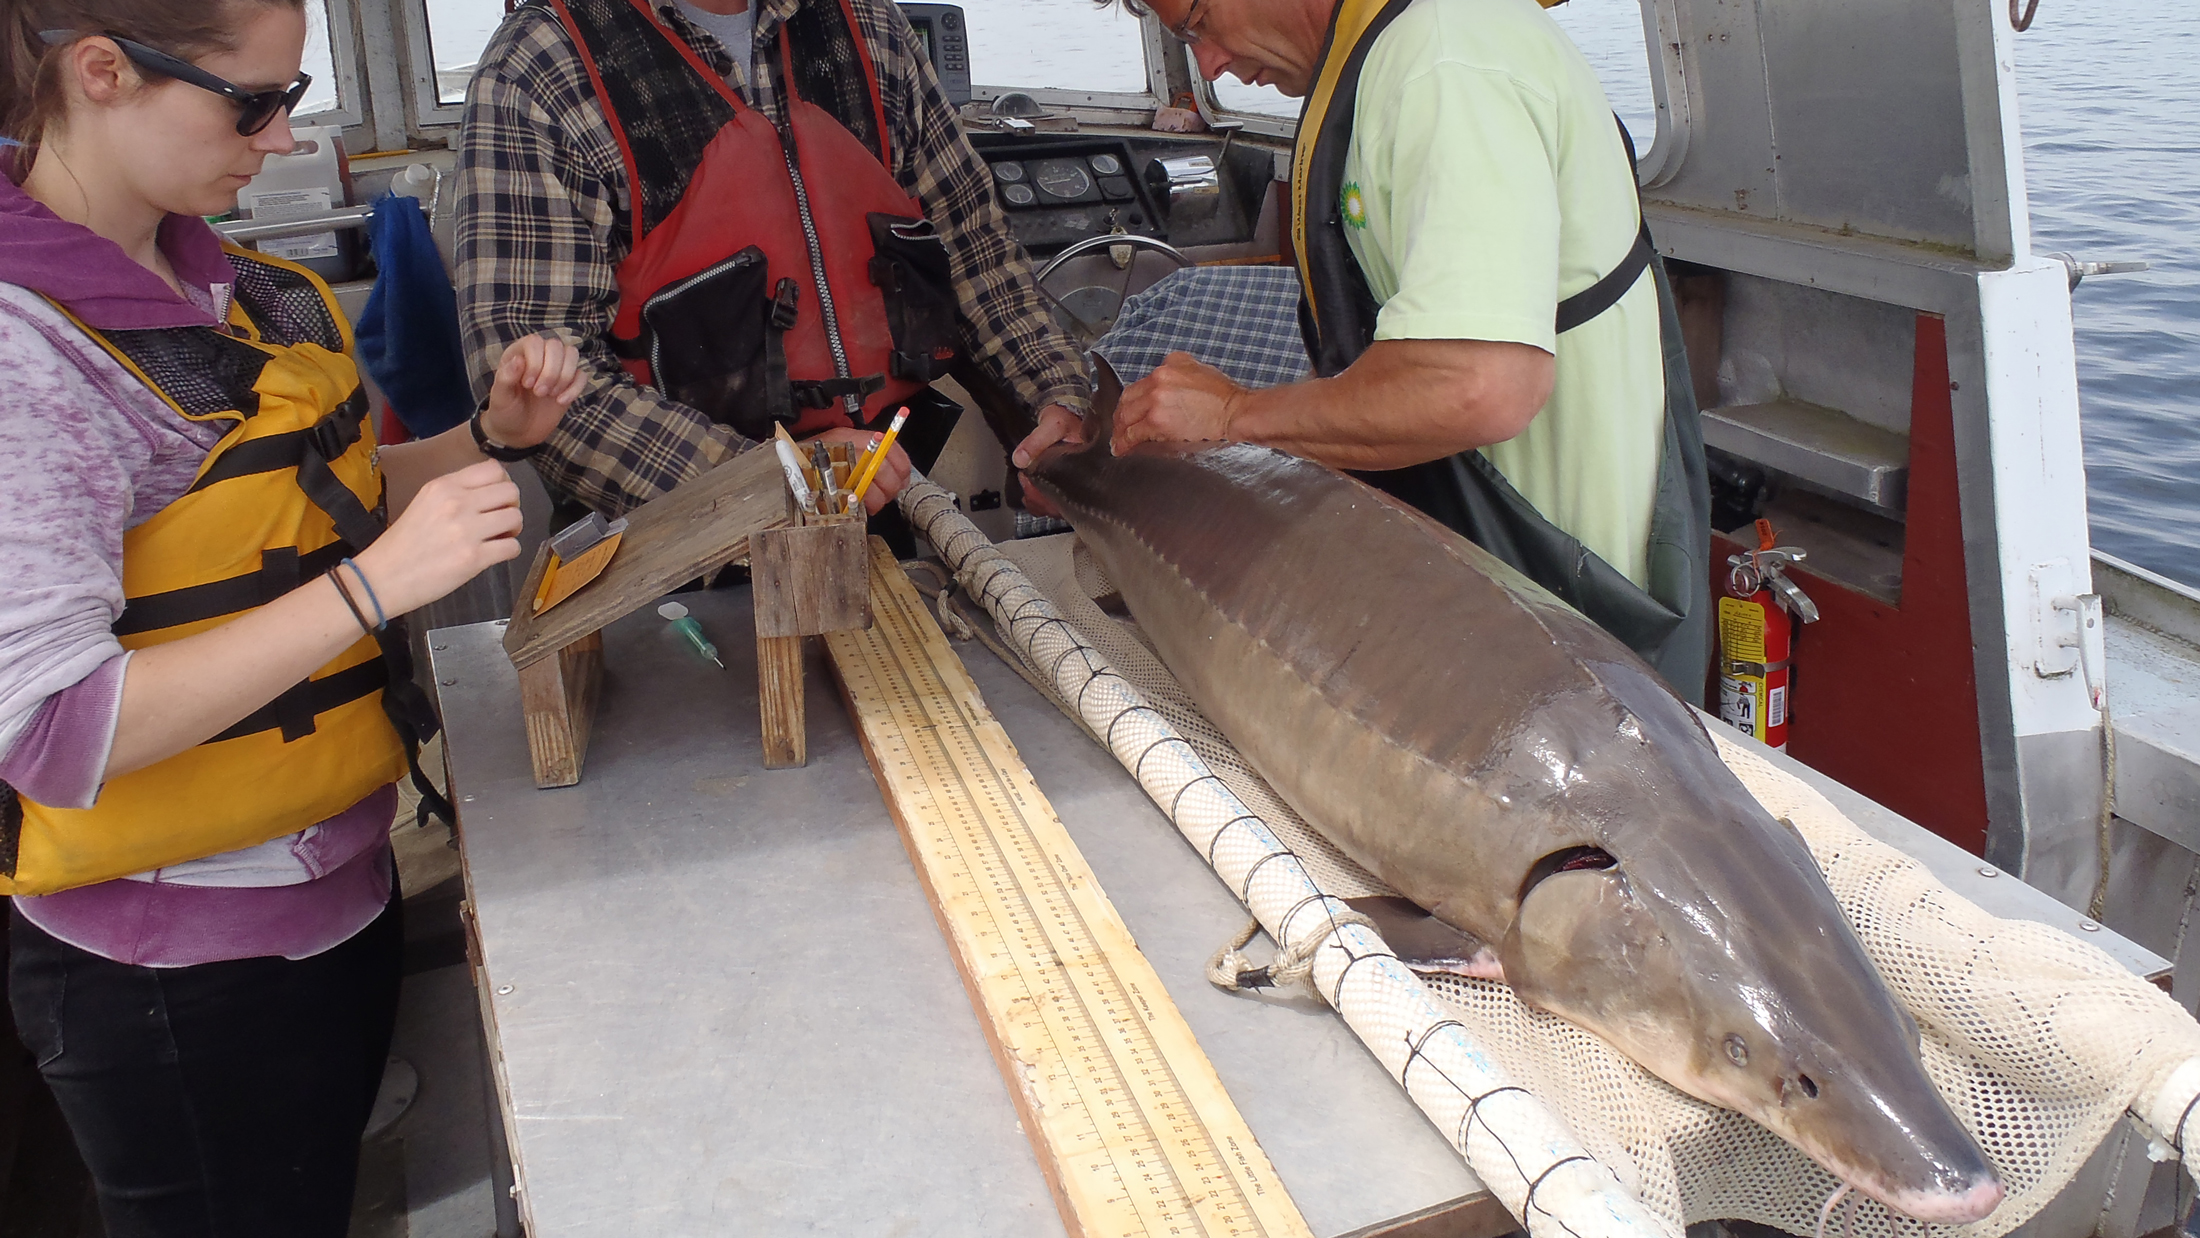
86 453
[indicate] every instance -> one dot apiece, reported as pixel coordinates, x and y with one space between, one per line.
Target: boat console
1191 191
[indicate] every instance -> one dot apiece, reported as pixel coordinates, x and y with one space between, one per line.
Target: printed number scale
1131 1125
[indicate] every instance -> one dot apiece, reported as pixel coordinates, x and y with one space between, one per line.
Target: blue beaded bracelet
381 620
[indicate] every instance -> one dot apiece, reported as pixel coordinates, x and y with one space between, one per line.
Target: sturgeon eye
1737 1051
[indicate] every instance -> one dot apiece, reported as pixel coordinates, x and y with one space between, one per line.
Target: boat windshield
1055 44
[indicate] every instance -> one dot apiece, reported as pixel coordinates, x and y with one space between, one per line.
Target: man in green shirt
1465 170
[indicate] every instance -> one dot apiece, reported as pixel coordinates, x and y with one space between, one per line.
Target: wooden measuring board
1131 1125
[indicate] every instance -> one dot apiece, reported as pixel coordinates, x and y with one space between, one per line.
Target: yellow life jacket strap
1353 29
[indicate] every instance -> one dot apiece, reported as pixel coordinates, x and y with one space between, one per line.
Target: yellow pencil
878 453
549 580
863 459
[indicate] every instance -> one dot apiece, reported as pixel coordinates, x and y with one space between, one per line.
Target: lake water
2109 96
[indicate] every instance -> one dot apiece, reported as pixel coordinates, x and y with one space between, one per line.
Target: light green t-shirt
1484 183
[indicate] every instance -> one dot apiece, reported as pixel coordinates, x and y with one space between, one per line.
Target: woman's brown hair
30 71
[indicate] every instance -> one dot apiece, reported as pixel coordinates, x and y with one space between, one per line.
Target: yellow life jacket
287 493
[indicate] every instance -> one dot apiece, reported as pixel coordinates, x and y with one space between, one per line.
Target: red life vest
720 302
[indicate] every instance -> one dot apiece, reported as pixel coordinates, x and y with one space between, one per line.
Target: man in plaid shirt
543 225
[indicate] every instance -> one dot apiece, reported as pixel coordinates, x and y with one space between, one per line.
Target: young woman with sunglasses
198 684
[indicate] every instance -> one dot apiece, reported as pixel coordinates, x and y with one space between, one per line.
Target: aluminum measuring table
717 1002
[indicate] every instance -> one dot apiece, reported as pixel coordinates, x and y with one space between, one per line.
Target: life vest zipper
827 317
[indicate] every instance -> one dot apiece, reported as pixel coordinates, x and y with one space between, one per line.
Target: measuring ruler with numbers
1132 1126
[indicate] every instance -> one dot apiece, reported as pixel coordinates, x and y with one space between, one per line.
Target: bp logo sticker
1354 204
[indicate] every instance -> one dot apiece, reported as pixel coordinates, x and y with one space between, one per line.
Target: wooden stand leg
559 697
779 698
808 579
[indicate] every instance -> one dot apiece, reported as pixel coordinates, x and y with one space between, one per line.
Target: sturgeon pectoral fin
1425 943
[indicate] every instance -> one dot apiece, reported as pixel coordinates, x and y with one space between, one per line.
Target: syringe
686 626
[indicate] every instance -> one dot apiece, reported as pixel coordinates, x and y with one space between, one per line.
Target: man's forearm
1403 402
1008 328
622 444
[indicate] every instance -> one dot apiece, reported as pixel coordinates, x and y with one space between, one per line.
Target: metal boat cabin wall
1856 173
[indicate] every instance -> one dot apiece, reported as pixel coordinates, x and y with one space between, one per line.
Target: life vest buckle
331 436
822 393
919 367
783 305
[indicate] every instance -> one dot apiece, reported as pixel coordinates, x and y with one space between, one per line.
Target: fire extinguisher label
1738 703
1776 706
1741 630
1742 641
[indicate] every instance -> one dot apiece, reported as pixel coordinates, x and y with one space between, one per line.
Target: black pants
224 1100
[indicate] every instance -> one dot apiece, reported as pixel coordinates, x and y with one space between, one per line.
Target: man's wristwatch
494 450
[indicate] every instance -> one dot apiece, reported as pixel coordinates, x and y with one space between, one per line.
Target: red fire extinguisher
1756 639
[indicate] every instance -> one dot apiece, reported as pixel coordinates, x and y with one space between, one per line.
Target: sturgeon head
1696 934
1505 764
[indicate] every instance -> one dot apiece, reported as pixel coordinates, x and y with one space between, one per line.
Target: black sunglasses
258 107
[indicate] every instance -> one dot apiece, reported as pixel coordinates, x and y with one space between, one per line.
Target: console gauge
1062 178
1008 173
1107 165
1018 195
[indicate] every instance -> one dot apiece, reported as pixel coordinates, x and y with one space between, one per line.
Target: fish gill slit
1565 860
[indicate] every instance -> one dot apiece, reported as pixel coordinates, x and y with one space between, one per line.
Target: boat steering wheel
1087 312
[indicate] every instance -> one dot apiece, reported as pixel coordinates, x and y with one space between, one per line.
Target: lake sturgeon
1502 762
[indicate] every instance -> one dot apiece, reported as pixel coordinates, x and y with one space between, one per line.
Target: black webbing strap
11 829
408 707
280 451
294 710
281 570
1605 293
825 392
779 319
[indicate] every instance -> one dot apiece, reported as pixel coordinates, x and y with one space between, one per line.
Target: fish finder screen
923 28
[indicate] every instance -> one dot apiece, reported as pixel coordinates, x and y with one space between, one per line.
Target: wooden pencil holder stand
809 577
808 581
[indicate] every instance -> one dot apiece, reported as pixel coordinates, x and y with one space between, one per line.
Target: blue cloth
408 336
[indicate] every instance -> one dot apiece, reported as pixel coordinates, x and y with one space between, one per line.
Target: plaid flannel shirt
542 200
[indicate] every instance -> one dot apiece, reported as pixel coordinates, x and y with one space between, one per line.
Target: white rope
1292 968
1229 966
1519 1148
